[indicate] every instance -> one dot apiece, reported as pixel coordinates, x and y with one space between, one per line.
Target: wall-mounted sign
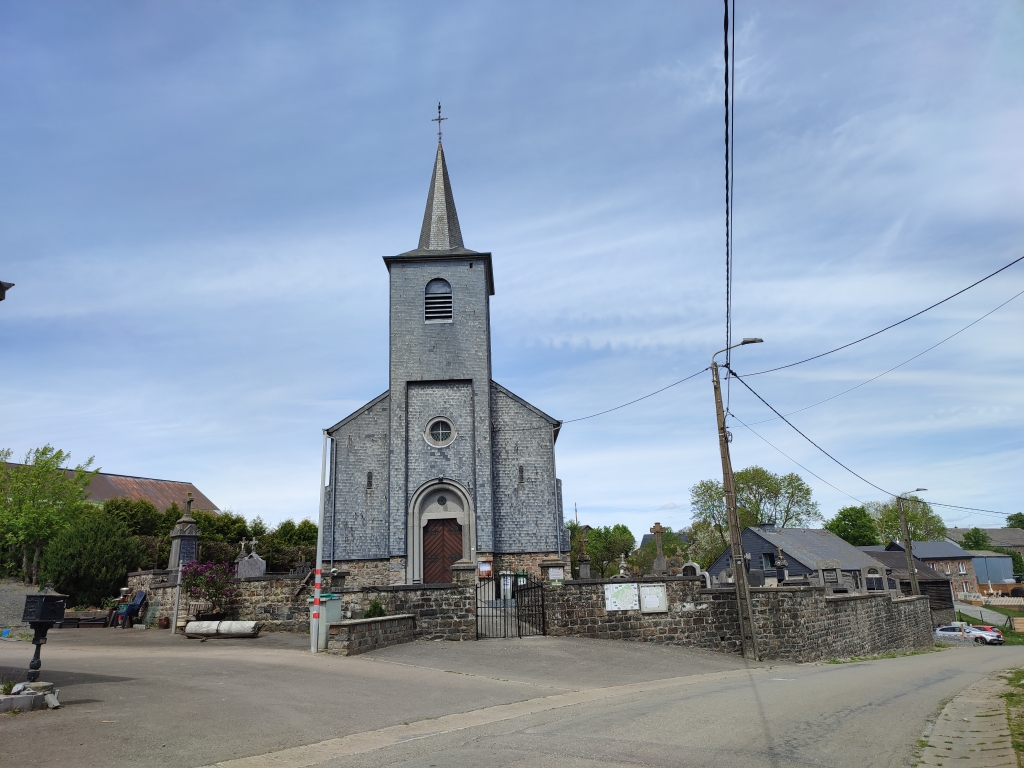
621 597
556 575
483 568
653 598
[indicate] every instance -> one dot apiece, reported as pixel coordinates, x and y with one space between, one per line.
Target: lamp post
746 614
905 529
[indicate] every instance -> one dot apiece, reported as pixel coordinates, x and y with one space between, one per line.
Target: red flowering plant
208 581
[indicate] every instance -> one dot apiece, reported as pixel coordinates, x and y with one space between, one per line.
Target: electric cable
805 469
889 327
837 461
805 437
883 373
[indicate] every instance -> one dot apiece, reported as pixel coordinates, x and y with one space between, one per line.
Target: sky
195 198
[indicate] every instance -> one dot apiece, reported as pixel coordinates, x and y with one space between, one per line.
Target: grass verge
1015 710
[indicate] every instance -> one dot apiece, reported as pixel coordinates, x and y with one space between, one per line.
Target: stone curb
972 726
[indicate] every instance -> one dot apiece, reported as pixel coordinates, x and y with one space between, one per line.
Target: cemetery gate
509 605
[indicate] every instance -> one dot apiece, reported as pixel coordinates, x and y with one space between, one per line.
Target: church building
447 465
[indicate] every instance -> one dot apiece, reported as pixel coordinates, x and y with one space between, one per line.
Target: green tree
606 546
90 560
1016 520
139 516
923 522
976 539
762 497
855 525
226 526
576 532
39 498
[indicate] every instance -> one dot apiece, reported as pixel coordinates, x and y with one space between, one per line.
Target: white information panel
621 597
653 598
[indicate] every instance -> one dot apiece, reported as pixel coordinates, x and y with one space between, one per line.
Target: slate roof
930 550
440 230
897 562
808 545
1001 537
984 553
441 235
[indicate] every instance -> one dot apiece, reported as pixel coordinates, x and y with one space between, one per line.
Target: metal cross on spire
438 120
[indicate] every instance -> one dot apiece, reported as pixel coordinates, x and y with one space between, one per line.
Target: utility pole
747 632
908 549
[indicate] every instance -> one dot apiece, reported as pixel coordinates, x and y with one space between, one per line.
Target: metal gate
509 605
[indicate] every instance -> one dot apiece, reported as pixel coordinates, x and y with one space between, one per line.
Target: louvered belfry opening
437 302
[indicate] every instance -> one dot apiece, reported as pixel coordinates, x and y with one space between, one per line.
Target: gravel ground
12 602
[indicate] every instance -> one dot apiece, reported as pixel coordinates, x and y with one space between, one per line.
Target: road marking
368 741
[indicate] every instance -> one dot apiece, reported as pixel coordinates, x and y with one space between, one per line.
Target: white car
981 637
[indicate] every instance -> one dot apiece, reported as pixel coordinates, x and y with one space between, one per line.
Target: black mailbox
43 607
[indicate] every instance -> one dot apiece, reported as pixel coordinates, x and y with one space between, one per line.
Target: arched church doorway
440 531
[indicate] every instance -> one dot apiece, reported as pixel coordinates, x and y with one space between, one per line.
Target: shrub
375 610
90 560
208 581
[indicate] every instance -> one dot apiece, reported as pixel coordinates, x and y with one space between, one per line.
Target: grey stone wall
434 352
696 617
794 624
527 509
355 513
349 638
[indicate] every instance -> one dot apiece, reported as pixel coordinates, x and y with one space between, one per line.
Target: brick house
447 464
946 558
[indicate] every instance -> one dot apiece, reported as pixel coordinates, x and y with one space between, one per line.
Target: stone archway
442 509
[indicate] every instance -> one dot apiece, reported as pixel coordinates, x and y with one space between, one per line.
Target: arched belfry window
437 302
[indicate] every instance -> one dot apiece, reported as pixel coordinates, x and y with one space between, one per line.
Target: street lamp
735 534
905 529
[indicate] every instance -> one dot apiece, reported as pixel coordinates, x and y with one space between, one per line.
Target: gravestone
251 565
660 567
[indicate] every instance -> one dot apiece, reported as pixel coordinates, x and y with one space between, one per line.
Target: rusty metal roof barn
162 493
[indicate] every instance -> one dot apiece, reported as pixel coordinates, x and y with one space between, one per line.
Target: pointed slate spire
440 231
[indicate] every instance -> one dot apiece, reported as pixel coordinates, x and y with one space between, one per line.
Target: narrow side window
369 480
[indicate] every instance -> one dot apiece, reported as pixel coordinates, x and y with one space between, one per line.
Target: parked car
989 628
976 634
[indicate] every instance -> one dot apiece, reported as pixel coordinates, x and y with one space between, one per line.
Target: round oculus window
440 432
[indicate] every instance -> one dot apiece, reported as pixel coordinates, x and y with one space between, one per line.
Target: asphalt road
143 698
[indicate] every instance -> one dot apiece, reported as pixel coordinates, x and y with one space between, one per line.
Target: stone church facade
446 465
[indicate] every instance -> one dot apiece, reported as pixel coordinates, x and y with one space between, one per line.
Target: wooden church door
442 546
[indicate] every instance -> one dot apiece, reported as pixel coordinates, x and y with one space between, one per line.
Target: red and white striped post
314 623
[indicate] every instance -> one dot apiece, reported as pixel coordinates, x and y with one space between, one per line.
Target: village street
143 698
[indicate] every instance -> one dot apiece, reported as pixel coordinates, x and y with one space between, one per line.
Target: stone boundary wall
696 617
795 624
441 611
348 638
528 562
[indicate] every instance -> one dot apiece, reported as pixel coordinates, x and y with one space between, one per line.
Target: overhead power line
631 402
837 461
883 373
889 327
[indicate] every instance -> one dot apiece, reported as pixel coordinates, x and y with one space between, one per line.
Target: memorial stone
660 567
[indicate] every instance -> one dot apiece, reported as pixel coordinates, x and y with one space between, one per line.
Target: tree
1016 520
976 539
38 499
140 516
854 525
575 546
90 560
607 545
762 497
924 523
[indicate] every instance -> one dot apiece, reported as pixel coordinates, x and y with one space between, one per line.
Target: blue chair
128 612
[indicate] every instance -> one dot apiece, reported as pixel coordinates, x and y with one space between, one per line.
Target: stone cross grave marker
660 567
